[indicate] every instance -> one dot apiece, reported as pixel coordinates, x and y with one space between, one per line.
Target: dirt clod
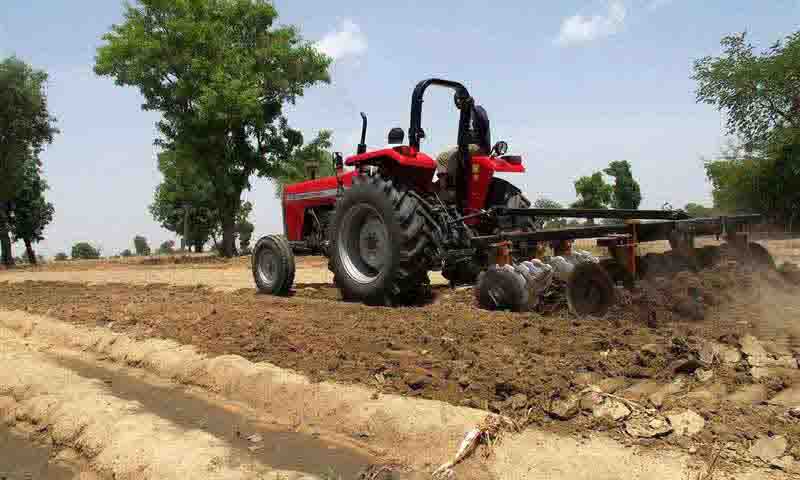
769 448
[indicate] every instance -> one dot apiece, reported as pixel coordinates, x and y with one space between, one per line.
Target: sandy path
75 396
107 411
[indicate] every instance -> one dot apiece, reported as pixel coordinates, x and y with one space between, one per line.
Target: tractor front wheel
381 244
273 265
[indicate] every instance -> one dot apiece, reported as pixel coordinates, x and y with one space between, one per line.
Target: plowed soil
452 351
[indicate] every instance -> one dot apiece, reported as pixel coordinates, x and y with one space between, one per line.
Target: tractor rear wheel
381 244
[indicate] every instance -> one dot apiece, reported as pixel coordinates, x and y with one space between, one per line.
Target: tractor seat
448 167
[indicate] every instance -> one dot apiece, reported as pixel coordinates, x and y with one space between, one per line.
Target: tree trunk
228 232
29 251
228 211
185 238
198 247
5 239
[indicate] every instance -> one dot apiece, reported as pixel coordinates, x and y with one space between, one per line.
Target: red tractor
400 214
387 223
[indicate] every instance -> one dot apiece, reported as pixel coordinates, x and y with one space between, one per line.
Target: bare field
234 274
734 368
225 275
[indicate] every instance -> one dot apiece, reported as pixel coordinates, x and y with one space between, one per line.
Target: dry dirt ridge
408 435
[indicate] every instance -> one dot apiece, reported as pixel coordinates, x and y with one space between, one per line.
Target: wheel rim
267 266
363 243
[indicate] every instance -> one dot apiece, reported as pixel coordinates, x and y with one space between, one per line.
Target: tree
31 212
626 193
758 93
167 248
219 72
126 253
549 223
765 180
84 251
698 211
140 245
593 192
25 128
184 190
61 256
314 156
245 231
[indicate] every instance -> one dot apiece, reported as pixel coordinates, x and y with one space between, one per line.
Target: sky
570 85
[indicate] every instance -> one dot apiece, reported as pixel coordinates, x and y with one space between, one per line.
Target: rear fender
483 170
403 163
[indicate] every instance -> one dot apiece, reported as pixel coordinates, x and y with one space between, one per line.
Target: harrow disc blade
590 290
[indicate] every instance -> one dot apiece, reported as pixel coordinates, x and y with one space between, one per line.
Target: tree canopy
84 251
759 93
220 73
26 127
315 154
626 193
593 192
140 245
32 213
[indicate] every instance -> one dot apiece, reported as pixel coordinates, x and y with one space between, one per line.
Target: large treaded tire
273 265
405 254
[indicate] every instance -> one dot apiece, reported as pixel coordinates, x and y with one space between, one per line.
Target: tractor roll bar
464 103
415 133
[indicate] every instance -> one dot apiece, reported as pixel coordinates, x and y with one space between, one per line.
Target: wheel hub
372 240
363 243
267 266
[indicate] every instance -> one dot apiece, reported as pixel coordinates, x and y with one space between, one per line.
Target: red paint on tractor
297 197
405 156
482 170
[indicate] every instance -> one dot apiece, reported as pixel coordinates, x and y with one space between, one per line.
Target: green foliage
765 181
549 223
84 251
626 192
25 128
697 211
140 245
220 73
61 256
316 154
245 231
167 248
25 124
31 212
126 253
593 192
183 186
757 92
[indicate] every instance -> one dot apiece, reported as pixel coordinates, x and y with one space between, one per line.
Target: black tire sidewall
369 193
282 283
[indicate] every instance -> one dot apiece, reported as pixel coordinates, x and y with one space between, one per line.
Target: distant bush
126 253
141 246
167 248
84 251
61 256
